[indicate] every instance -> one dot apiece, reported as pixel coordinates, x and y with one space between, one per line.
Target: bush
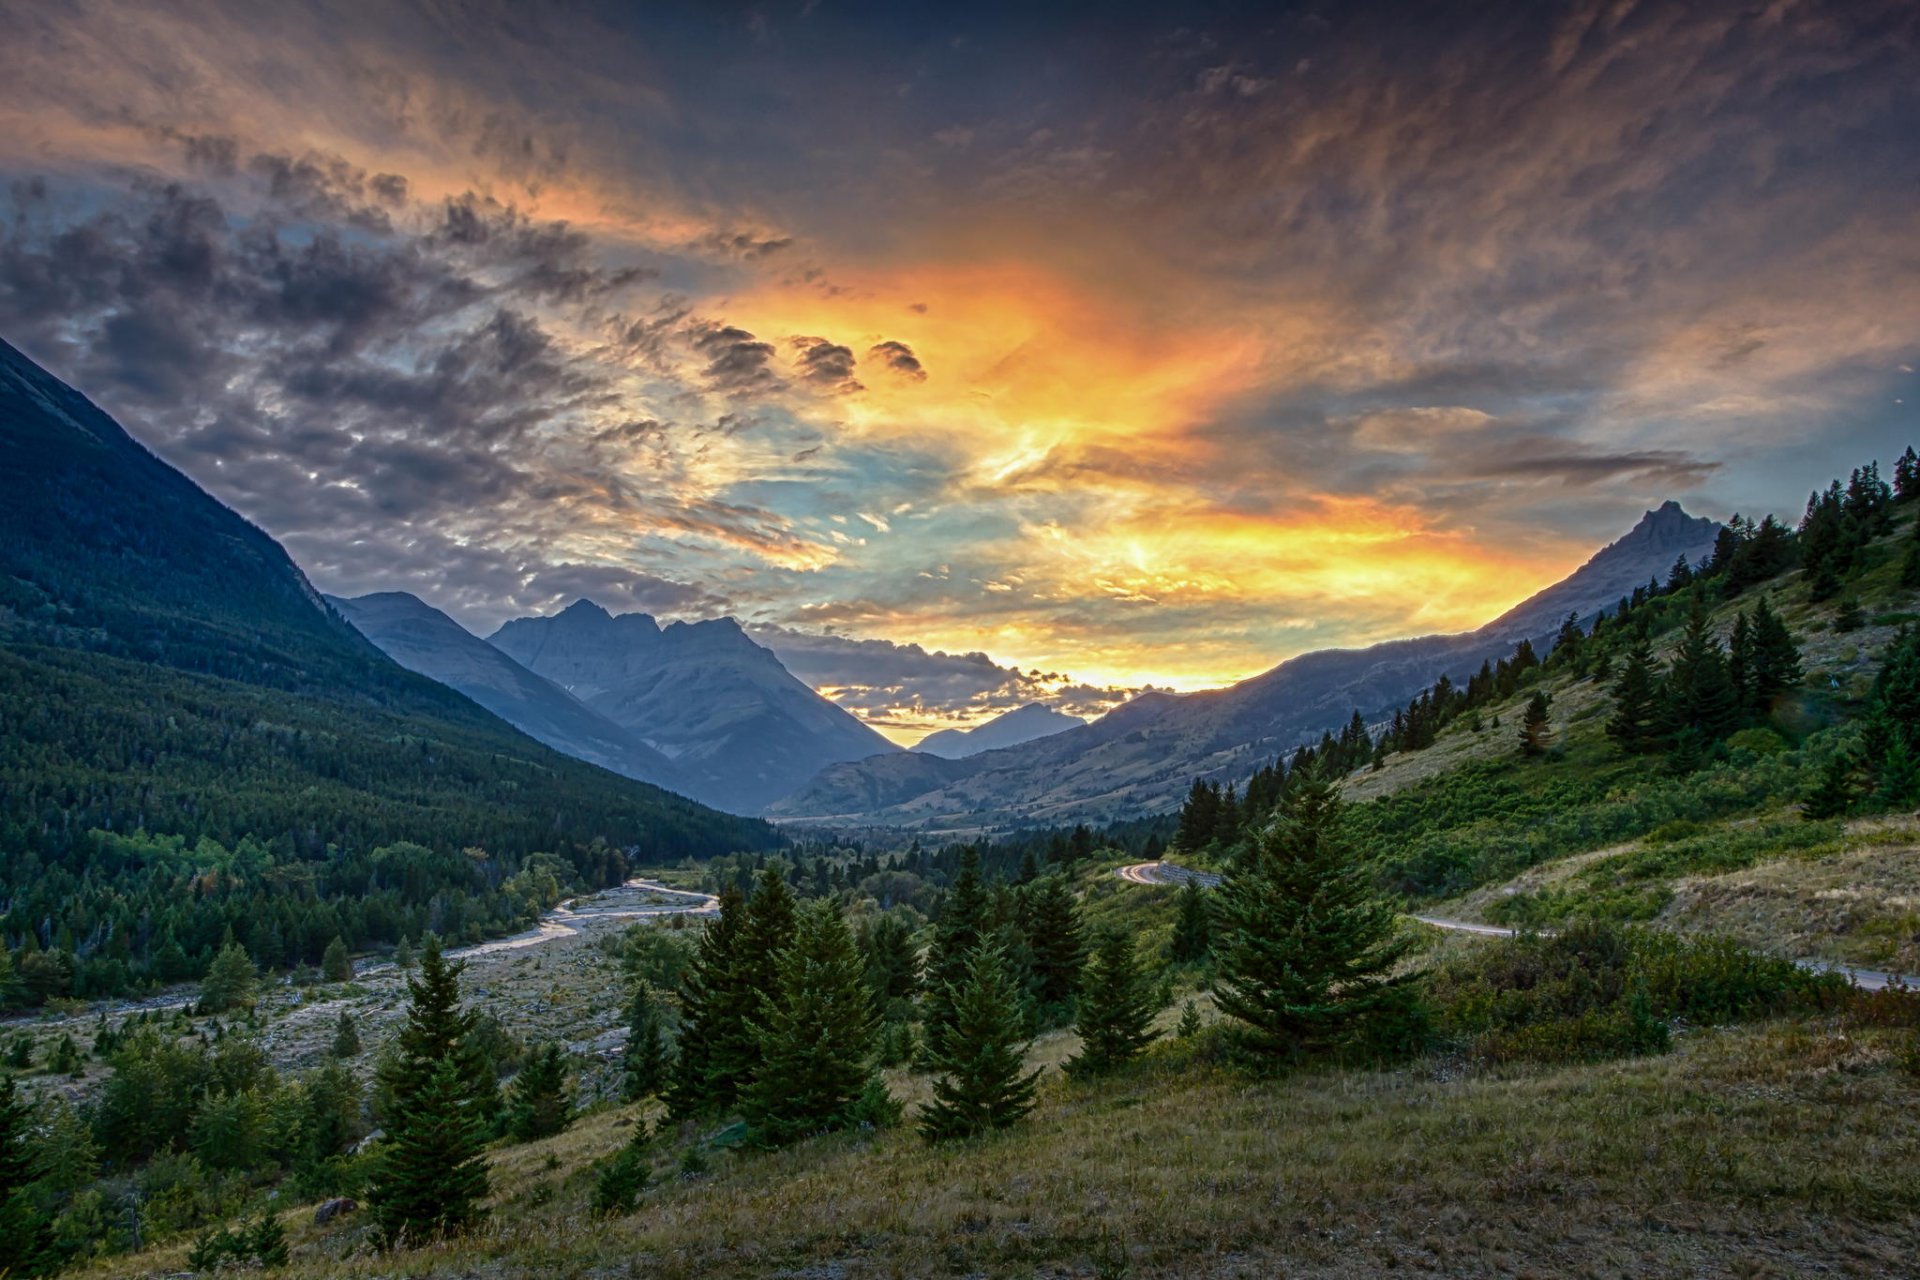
1598 991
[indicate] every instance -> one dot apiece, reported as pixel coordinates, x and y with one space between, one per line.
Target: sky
974 355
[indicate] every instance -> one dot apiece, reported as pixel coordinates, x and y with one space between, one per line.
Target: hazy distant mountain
421 638
1141 757
1023 724
165 666
740 729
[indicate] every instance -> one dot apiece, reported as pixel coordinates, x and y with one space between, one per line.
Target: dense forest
195 744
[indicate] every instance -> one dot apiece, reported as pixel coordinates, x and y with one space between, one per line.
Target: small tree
961 927
1635 722
981 1055
626 1175
1189 1026
403 955
816 1034
21 1227
707 1004
1304 948
229 983
645 1065
335 964
436 1028
346 1037
1533 725
540 1100
1117 1005
1059 951
431 1179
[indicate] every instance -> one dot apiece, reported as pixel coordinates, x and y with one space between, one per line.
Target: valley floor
1773 1150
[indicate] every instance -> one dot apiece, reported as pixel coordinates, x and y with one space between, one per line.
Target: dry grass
1775 1150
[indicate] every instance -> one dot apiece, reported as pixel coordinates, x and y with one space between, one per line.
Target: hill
737 725
1139 758
1022 724
182 709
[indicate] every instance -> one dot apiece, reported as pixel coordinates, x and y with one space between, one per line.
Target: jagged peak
584 608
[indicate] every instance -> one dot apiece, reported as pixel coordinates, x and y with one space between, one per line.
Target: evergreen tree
403 954
330 1120
1198 817
438 1029
961 928
335 964
540 1099
1054 937
1698 696
12 990
1909 570
892 964
706 1001
1848 615
980 1054
1680 576
1636 717
1189 1026
623 1178
22 1229
229 982
766 930
645 1065
1772 664
1303 947
1906 475
1835 792
1116 1008
816 1031
1893 724
346 1037
1534 726
431 1177
1192 927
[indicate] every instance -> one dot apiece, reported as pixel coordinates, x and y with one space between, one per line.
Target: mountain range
1141 757
165 666
1022 724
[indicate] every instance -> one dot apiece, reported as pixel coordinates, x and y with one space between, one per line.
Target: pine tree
961 927
980 1054
431 1178
403 956
1635 721
626 1175
1834 794
1906 475
1059 950
816 1034
1192 927
706 997
12 990
1189 1026
346 1037
335 964
1773 659
892 964
1893 724
1909 569
229 982
1303 947
437 1028
540 1099
766 930
22 1229
330 1113
645 1065
1533 725
1698 694
1117 1008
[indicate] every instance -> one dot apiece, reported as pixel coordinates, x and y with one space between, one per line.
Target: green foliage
431 1178
959 931
540 1099
1189 1025
1305 948
1533 725
620 1180
437 1031
707 1001
229 982
980 1054
645 1066
816 1034
892 963
346 1037
1635 724
1117 1008
1051 926
1893 725
1596 991
335 964
263 1244
1192 927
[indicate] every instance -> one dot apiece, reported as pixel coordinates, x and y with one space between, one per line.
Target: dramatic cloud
1150 349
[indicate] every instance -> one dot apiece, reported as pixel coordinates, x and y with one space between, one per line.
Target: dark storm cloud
899 357
826 364
737 362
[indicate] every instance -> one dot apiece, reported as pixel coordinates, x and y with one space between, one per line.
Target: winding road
1168 873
